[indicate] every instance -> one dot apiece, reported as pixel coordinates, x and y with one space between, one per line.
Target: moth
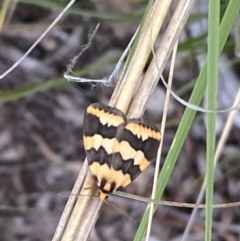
117 149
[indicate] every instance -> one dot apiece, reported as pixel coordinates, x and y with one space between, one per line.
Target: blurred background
41 116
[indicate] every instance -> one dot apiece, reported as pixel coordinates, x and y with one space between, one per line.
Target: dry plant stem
218 152
13 209
148 36
157 65
73 206
78 225
39 39
11 10
81 211
175 204
118 87
3 13
164 118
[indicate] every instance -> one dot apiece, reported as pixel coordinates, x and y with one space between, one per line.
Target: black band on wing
126 166
92 126
102 186
149 146
100 156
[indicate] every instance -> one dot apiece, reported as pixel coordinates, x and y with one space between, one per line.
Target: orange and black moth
117 149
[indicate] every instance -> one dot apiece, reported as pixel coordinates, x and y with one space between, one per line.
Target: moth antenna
66 194
174 204
118 209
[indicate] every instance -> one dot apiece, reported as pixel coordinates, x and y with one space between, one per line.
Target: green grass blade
212 84
185 124
30 89
57 5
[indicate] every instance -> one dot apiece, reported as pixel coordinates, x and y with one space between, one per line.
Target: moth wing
99 132
137 146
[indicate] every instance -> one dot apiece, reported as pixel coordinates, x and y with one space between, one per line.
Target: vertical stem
212 84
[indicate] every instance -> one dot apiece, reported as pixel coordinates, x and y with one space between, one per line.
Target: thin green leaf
186 122
212 84
57 5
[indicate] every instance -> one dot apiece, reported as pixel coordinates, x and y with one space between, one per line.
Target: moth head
103 195
105 188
